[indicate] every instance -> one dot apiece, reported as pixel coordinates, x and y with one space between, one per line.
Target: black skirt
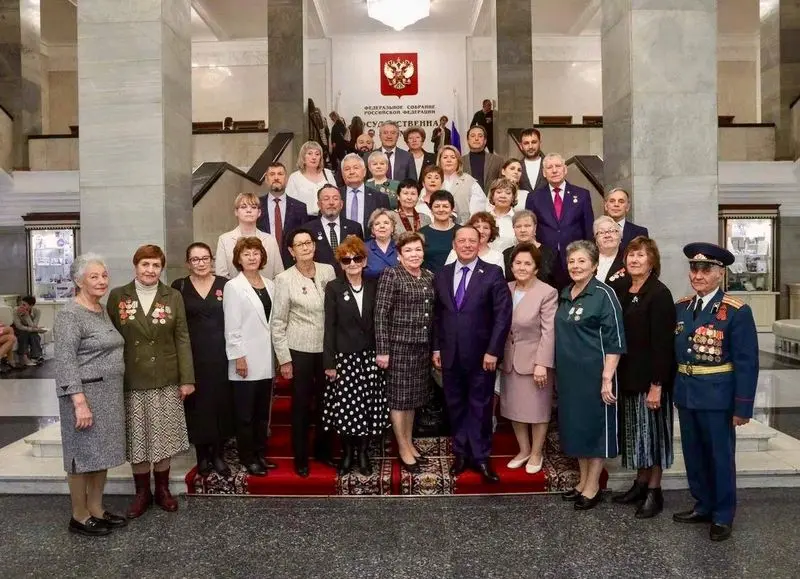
355 403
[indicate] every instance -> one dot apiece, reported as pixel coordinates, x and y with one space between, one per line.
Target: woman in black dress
209 413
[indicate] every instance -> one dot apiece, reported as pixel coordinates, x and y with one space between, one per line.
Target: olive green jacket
158 352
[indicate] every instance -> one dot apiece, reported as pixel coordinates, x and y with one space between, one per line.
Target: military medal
722 314
574 199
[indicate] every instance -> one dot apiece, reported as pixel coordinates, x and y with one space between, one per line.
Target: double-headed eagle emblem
399 72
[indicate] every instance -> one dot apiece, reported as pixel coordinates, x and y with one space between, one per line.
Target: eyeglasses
601 232
300 244
196 260
355 259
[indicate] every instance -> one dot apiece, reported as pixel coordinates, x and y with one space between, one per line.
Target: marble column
21 71
660 120
135 115
780 70
514 71
286 107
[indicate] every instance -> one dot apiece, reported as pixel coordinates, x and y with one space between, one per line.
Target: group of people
24 337
363 307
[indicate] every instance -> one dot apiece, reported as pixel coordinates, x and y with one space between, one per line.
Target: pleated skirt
645 434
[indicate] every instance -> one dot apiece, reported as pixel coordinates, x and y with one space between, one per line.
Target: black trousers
251 406
308 388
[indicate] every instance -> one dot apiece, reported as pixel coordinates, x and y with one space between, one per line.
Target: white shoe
516 463
534 468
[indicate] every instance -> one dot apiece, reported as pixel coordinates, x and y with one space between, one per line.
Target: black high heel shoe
412 468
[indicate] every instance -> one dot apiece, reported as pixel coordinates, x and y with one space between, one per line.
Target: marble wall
515 104
13 260
789 264
6 140
285 58
737 90
63 101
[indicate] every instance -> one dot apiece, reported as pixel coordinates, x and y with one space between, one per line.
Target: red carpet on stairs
558 473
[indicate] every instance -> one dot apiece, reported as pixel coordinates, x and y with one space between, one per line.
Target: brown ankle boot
163 497
144 497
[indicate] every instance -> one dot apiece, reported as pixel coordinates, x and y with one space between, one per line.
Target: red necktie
278 225
558 202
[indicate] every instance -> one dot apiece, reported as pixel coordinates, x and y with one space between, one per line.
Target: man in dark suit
532 172
472 318
358 200
441 135
485 118
280 214
484 166
330 228
563 214
401 165
617 206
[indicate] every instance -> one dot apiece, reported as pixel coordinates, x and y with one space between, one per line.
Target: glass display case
750 233
52 247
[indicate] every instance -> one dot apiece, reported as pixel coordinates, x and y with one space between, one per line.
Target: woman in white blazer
247 303
247 208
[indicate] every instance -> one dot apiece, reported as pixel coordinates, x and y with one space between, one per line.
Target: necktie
698 307
558 202
354 206
389 157
461 291
278 224
334 237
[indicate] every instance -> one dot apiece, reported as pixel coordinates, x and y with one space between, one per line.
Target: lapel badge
574 199
579 311
572 310
722 314
635 299
319 236
305 291
679 328
347 297
715 308
480 271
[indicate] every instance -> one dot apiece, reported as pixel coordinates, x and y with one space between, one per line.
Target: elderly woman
468 195
159 375
512 170
355 400
431 182
646 375
486 226
378 164
415 139
407 217
311 174
380 250
89 382
209 413
403 317
608 236
502 200
524 224
247 303
247 209
589 341
298 330
438 236
526 395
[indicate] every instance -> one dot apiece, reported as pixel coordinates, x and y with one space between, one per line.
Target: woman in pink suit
526 396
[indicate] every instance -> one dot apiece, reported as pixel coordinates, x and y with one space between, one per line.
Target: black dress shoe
635 494
346 464
691 517
91 528
265 462
459 465
487 473
571 495
256 469
412 468
720 532
114 521
220 466
652 505
584 503
302 471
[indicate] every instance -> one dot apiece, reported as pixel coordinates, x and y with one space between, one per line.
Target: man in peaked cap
716 347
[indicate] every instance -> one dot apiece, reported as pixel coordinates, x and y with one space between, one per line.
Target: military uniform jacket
158 352
724 332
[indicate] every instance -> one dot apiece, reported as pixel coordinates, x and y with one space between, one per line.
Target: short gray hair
355 156
523 214
552 157
583 245
377 155
389 124
78 268
607 220
377 213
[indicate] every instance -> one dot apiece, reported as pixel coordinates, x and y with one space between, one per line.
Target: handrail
272 153
8 114
794 102
592 168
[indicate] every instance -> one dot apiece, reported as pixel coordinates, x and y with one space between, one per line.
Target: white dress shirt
359 193
604 266
532 168
506 237
270 209
327 229
418 163
707 298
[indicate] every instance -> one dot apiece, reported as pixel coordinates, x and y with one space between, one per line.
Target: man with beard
280 214
479 162
530 145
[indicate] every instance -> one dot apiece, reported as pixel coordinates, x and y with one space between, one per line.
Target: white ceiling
243 19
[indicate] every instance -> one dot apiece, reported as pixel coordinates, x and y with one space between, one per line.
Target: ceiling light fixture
398 13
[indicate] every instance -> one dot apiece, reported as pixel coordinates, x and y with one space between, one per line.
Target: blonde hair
456 152
305 148
249 198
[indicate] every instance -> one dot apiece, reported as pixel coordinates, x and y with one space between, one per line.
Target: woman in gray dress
89 379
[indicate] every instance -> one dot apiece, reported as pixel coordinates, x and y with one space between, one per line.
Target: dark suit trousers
251 405
469 396
308 387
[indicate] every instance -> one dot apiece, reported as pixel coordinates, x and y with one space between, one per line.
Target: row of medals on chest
706 344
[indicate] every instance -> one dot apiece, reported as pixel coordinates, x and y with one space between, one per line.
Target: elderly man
563 214
484 166
358 200
280 214
616 206
530 144
717 353
330 228
401 165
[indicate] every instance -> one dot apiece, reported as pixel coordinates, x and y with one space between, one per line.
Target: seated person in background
378 164
7 341
26 326
617 206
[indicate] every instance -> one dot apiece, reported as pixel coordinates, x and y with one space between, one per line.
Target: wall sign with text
399 74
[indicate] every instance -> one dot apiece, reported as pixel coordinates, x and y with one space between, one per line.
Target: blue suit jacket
372 200
630 231
726 328
577 218
323 253
295 215
483 322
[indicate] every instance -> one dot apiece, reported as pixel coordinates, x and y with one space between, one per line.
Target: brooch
576 311
480 271
161 313
635 299
218 293
319 236
347 297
